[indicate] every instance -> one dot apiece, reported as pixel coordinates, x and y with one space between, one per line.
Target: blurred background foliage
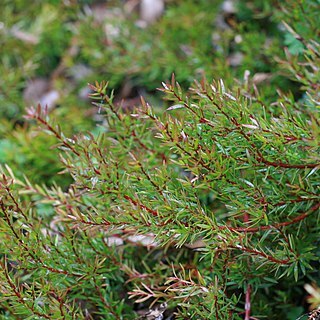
70 43
50 50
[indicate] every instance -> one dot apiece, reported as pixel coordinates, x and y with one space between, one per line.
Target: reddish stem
261 254
247 306
153 212
286 165
275 226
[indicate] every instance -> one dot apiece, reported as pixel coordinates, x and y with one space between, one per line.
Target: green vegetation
199 200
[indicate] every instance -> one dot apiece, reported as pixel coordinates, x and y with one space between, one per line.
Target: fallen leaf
151 10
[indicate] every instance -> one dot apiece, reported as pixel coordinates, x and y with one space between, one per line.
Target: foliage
217 170
53 39
68 44
210 208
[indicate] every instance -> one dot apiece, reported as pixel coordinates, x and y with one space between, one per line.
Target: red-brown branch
36 114
247 306
153 212
286 165
261 254
274 226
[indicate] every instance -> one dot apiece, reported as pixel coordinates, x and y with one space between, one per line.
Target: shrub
210 207
56 48
208 210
